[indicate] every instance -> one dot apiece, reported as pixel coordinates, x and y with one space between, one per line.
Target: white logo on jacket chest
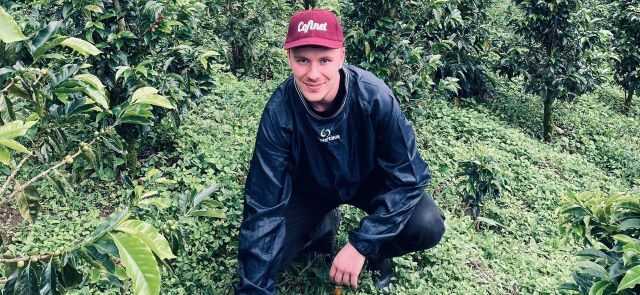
325 136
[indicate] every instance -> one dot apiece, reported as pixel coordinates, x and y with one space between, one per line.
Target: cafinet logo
311 26
325 136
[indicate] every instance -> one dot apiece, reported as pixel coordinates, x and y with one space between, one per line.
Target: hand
346 266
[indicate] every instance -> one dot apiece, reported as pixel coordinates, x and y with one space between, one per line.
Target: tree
626 29
555 54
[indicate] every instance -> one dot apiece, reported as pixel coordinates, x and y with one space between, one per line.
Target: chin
314 96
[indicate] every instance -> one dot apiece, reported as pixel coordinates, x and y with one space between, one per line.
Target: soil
9 219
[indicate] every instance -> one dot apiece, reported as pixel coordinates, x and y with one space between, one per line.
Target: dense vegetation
126 128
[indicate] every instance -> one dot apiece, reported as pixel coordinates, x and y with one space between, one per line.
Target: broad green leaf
93 80
204 194
161 203
14 145
5 156
214 213
94 88
14 129
110 222
149 95
203 58
121 70
136 114
599 287
632 223
9 30
630 279
93 8
139 263
149 235
593 269
42 50
43 37
49 280
27 282
81 46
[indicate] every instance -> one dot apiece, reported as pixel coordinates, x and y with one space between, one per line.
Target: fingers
354 281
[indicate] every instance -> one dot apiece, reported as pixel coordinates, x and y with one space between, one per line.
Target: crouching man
332 134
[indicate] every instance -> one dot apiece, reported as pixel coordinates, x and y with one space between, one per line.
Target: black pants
314 220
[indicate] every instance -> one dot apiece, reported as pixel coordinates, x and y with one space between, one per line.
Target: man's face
316 72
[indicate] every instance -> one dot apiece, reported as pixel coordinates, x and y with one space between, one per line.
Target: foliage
482 181
626 24
420 45
608 225
380 37
554 57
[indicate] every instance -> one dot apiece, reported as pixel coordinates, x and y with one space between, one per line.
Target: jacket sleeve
405 176
267 191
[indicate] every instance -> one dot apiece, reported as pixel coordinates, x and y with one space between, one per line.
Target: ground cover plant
142 116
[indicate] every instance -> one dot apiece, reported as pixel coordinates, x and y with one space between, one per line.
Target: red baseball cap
314 27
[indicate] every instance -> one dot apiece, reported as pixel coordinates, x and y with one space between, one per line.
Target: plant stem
13 174
27 258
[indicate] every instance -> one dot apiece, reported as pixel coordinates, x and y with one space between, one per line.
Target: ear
343 54
288 53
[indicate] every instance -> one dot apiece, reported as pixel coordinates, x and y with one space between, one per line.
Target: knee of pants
426 227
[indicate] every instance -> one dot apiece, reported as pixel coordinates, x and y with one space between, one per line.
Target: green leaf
214 213
593 269
5 156
49 280
110 222
599 287
14 129
42 50
27 203
139 262
27 282
93 8
136 114
149 235
204 194
121 70
14 145
94 88
81 46
161 203
9 30
630 279
43 37
149 95
203 58
632 223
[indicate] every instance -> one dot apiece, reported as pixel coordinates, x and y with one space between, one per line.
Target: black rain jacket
296 147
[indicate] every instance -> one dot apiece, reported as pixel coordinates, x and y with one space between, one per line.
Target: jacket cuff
366 248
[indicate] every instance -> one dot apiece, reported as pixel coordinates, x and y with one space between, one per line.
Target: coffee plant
554 57
626 24
609 226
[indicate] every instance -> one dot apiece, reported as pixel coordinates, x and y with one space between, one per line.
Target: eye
302 61
325 60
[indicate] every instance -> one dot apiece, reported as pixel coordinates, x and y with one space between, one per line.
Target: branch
13 174
28 258
8 86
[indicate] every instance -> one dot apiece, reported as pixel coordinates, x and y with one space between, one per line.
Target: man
332 134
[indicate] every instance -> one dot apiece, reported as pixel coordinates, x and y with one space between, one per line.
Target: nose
314 72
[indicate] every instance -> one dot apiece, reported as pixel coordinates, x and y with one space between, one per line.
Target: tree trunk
627 100
547 120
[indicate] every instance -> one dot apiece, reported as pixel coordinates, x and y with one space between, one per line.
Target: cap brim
314 41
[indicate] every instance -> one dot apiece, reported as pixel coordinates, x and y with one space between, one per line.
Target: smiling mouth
314 87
